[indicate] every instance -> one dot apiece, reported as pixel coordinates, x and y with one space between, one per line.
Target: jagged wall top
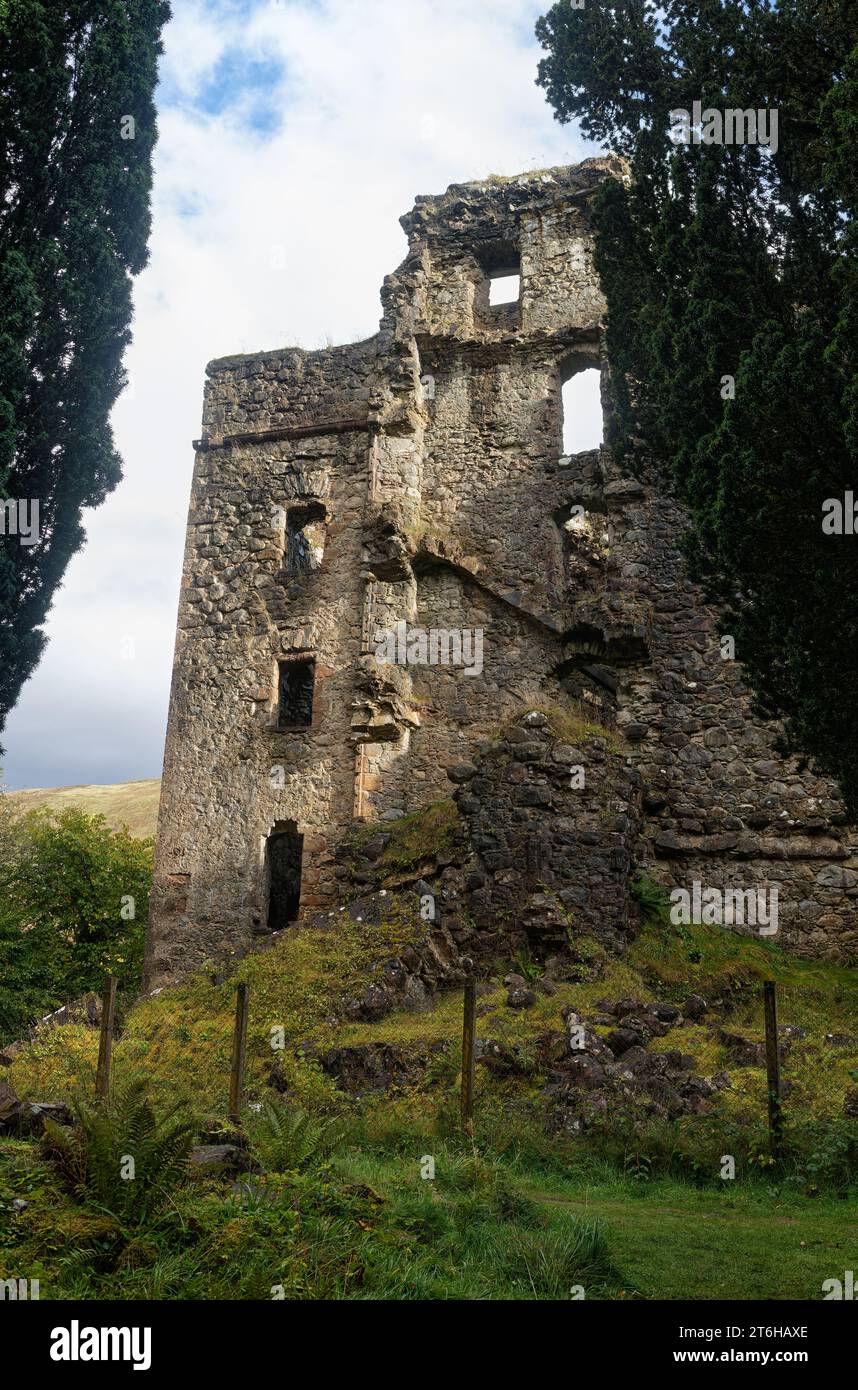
454 210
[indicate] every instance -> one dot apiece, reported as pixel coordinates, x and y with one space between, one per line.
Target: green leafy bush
74 901
828 1157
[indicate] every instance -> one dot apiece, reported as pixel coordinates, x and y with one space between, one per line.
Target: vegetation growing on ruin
572 723
412 842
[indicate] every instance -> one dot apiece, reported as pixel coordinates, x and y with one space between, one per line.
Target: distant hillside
134 804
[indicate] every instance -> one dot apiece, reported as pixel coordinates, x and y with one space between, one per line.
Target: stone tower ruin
346 501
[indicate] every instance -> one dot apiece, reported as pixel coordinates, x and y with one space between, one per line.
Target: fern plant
287 1139
653 899
527 966
122 1156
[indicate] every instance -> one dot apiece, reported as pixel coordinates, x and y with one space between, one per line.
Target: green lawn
670 1240
364 1223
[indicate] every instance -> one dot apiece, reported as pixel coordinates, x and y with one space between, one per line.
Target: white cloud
261 240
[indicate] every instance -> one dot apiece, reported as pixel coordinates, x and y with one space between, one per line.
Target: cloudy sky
293 134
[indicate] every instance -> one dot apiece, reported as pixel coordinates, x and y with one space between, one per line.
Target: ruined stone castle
366 522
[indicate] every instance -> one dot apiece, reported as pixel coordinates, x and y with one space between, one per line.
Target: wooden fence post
239 1046
773 1068
105 1039
469 1028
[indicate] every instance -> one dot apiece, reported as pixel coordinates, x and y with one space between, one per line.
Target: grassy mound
412 845
181 1037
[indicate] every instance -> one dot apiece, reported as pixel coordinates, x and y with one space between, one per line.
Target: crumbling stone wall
428 462
553 826
724 806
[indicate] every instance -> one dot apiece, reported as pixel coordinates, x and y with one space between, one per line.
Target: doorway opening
284 852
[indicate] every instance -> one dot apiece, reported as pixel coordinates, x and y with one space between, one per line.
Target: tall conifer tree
77 128
738 260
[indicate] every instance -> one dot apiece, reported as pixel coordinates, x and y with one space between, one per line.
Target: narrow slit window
297 679
583 426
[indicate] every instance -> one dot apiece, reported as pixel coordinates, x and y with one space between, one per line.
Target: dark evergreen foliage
737 260
74 226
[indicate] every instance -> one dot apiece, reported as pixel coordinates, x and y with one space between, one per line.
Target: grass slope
134 804
516 1214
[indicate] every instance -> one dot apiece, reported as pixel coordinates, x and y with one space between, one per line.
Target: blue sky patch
248 85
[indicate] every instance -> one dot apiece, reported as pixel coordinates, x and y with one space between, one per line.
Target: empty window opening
297 678
582 412
500 263
284 853
504 289
305 537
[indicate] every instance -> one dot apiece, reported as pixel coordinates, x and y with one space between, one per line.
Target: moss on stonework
414 841
568 724
573 728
